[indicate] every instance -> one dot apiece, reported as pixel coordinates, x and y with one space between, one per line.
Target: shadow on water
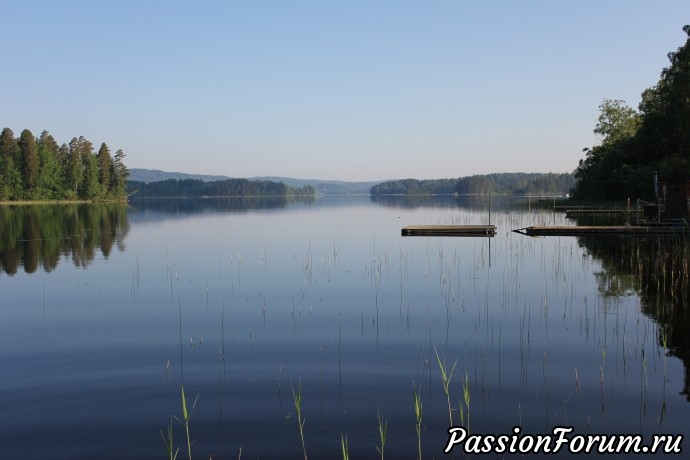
475 202
33 236
658 271
218 205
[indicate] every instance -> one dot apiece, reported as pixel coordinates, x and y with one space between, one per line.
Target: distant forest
637 143
172 188
500 183
39 169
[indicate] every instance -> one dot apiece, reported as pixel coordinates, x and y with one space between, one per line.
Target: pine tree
104 165
29 159
120 174
10 177
74 170
50 176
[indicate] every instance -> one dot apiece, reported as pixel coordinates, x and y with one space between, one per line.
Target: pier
539 230
449 230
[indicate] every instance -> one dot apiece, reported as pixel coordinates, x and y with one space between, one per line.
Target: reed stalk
344 447
466 395
297 396
168 442
418 415
445 381
383 428
186 416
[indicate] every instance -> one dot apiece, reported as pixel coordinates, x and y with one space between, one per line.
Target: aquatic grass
168 442
186 416
418 416
344 447
383 432
466 396
297 396
445 381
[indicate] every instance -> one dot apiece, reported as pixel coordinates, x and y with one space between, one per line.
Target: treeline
39 169
499 183
175 188
637 143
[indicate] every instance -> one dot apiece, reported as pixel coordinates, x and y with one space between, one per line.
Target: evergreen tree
75 169
104 165
10 176
120 174
39 169
50 176
91 186
29 159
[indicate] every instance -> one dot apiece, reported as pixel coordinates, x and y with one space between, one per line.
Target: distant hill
155 175
503 183
327 187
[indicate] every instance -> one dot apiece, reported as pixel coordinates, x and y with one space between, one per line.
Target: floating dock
591 212
449 230
539 230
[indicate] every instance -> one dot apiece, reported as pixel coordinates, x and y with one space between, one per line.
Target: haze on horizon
332 90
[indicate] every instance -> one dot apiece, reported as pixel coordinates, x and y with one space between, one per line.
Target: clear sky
348 90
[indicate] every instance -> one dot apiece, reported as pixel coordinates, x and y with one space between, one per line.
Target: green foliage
10 179
616 121
119 175
637 144
225 188
503 183
29 159
37 169
104 166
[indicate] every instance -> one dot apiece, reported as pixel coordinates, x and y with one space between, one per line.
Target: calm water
105 311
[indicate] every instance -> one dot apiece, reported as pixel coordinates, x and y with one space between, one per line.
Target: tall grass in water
418 415
297 396
344 448
186 415
445 381
186 412
168 443
466 396
383 432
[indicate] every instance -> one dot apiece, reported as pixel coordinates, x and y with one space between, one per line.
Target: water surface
106 311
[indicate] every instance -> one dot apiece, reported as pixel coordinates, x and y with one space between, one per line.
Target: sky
340 90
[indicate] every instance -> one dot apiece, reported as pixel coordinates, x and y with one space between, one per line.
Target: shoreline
54 202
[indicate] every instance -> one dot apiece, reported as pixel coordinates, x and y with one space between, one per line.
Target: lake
106 312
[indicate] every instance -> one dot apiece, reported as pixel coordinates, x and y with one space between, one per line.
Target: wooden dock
539 230
591 212
449 230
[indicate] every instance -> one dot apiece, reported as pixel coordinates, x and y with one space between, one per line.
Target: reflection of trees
658 270
33 236
476 202
200 206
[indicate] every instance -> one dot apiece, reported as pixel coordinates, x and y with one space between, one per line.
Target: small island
38 169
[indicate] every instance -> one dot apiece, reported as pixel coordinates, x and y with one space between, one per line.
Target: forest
171 188
635 144
39 169
500 183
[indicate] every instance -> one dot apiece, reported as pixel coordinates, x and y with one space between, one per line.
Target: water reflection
220 205
33 236
475 202
658 271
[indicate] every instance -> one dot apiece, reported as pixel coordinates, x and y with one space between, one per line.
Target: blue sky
348 90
